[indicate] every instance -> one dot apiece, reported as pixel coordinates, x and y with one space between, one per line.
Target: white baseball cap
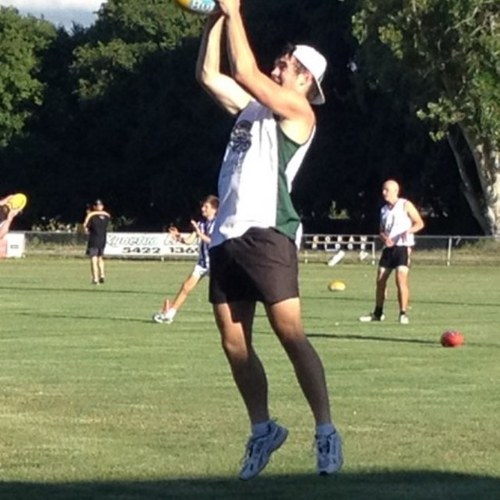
315 63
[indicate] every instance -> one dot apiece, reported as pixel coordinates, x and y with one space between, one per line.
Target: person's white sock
171 313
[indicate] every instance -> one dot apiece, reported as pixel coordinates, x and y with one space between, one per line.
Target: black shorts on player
394 257
261 265
95 251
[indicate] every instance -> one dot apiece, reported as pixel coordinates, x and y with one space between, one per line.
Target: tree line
113 111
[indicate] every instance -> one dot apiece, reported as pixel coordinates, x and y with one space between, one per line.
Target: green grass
98 402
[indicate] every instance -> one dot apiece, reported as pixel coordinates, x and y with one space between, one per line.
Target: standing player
96 226
253 256
399 221
202 231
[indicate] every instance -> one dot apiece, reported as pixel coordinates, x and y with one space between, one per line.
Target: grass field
98 402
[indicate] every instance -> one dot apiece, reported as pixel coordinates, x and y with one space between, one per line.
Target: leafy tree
22 43
447 53
125 34
122 117
365 133
140 143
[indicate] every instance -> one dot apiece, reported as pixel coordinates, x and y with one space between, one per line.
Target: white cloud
59 12
40 5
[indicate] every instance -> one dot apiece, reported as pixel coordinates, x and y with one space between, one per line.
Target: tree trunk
487 160
467 186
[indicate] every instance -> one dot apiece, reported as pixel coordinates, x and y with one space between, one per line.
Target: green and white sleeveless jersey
256 177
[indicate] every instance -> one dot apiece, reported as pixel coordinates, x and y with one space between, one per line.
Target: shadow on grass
49 315
127 319
87 289
377 338
408 340
394 485
335 296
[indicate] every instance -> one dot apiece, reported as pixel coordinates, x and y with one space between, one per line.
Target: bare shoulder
413 213
300 127
410 207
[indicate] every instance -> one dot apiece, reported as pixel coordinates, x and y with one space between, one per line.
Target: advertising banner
13 245
147 245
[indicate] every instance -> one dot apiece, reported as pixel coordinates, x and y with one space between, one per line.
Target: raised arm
85 224
199 233
293 107
4 201
223 88
5 225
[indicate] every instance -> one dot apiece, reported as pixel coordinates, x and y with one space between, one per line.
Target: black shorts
95 251
394 257
261 265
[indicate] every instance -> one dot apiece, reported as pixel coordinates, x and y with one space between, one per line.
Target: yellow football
336 286
17 201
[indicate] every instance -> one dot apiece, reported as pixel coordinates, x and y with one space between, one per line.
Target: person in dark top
96 226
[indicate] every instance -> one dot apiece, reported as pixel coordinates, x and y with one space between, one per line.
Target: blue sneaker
329 454
259 450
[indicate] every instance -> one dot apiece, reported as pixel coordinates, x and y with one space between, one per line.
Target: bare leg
285 318
381 286
186 288
235 322
100 264
402 286
94 269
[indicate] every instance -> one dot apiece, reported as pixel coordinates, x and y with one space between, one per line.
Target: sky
59 12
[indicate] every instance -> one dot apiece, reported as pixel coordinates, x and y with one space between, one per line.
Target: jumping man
253 256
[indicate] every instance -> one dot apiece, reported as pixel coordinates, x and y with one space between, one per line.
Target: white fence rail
336 247
431 249
324 248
